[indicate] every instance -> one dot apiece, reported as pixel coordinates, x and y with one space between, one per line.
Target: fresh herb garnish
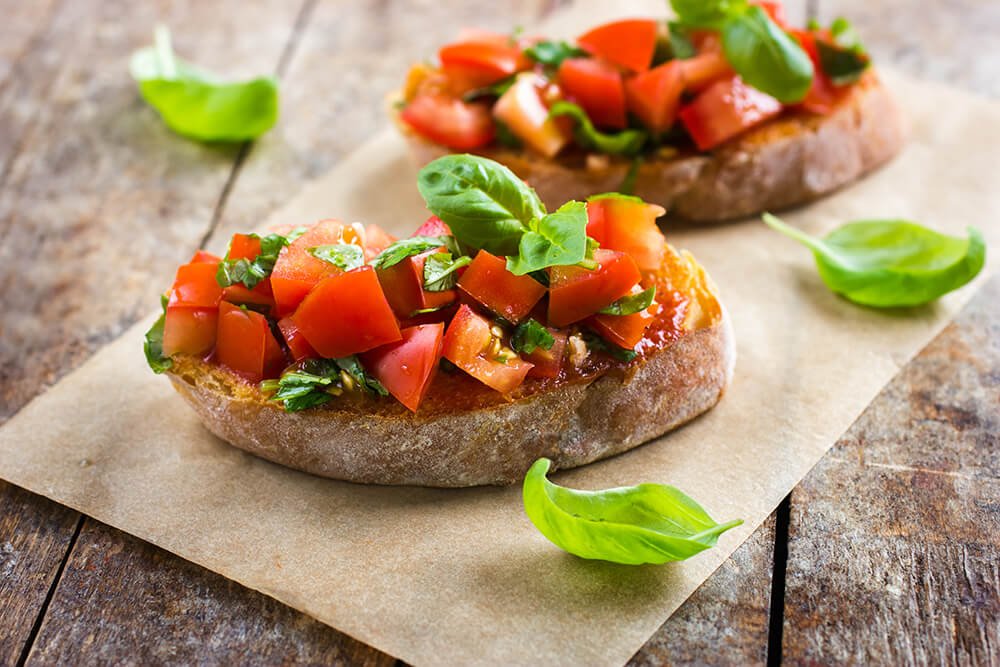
153 343
553 240
195 103
553 53
631 303
844 60
495 90
531 335
316 381
440 271
345 256
403 248
251 272
681 46
891 263
626 142
648 523
597 344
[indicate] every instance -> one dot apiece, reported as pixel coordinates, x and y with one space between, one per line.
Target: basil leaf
553 53
251 272
626 142
495 90
558 239
152 346
440 271
485 205
195 104
843 66
344 256
531 335
632 525
891 263
704 13
403 248
845 35
631 303
352 366
681 46
765 56
598 344
311 383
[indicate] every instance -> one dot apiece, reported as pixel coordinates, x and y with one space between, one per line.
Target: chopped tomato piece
202 256
259 295
434 226
576 293
450 121
522 109
727 108
297 271
481 63
629 43
195 286
243 246
488 281
654 96
189 330
627 224
823 95
296 342
469 342
246 345
548 363
376 240
704 69
597 87
407 368
346 314
403 285
625 330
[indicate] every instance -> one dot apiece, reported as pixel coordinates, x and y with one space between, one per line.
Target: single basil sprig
891 263
553 53
631 303
632 525
345 256
313 381
626 142
195 103
251 272
152 346
553 240
531 335
440 271
403 248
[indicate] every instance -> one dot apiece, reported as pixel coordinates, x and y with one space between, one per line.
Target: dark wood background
887 553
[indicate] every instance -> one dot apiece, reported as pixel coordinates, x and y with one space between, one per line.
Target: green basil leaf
597 344
485 205
152 346
765 56
553 53
310 383
891 263
844 34
558 239
842 65
626 142
495 90
704 13
632 525
251 272
345 256
681 46
352 366
440 271
531 335
197 105
631 303
403 248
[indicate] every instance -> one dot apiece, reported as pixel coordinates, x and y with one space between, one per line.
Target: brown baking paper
461 576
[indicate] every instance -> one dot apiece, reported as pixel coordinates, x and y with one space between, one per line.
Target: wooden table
888 552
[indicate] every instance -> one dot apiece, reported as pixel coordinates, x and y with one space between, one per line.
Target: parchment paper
461 576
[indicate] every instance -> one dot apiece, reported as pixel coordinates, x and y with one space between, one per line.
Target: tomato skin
522 109
625 331
202 256
297 271
433 226
597 87
407 368
548 363
704 69
346 314
466 344
403 286
189 330
654 96
724 110
195 286
629 43
260 295
376 240
246 345
482 62
449 121
576 293
296 342
488 281
628 225
243 246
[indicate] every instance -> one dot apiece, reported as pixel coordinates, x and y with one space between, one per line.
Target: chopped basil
531 335
631 303
557 239
251 272
440 271
311 383
553 53
403 248
346 256
597 344
626 142
681 46
844 60
153 343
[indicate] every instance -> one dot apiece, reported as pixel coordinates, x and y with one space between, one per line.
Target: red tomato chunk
297 271
450 122
195 286
628 225
597 87
468 344
296 342
488 281
246 345
726 109
548 363
403 285
189 330
629 43
576 293
408 367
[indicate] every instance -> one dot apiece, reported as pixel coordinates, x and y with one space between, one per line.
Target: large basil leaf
557 239
765 56
891 263
648 523
626 142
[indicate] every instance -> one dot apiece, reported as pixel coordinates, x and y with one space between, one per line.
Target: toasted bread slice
791 160
473 435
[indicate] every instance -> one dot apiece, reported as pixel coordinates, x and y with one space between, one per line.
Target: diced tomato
297 271
195 286
376 240
704 69
296 342
246 345
627 224
346 314
450 121
823 95
625 330
481 63
407 368
403 286
597 86
189 330
629 43
202 256
433 226
488 281
243 246
654 96
260 295
522 110
575 292
549 362
727 108
467 344
775 10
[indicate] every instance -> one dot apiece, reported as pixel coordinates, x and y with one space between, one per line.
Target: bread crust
788 161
